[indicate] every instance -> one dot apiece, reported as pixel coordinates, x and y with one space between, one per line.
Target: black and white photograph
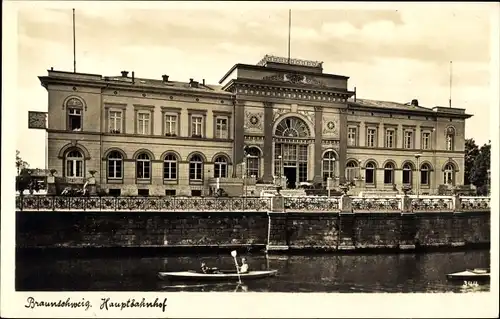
249 150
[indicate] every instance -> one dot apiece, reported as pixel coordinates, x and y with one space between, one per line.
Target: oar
234 254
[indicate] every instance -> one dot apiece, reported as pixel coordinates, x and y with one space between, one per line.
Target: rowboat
223 276
475 274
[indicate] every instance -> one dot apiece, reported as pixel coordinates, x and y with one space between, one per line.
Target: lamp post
246 173
279 171
417 156
488 181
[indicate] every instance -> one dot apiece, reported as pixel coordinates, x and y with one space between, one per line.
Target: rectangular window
302 172
196 126
114 192
143 123
408 142
75 119
143 192
426 141
424 177
221 128
114 168
170 125
351 136
371 137
196 192
195 171
170 170
170 192
115 122
74 168
389 138
388 176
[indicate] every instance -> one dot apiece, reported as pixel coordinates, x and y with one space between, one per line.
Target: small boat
222 276
475 274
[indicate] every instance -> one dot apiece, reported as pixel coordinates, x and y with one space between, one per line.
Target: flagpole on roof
74 43
451 79
289 32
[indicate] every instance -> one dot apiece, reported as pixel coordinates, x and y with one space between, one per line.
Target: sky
399 53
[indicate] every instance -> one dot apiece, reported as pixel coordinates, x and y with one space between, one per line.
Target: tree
20 164
471 152
479 173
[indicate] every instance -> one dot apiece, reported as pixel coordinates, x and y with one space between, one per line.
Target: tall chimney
203 81
354 94
414 102
124 74
133 77
165 78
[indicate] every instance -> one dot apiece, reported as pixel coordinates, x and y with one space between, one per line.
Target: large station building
277 122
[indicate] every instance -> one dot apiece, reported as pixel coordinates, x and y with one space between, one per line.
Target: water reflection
314 273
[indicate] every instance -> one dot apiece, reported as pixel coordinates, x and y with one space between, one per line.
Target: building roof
191 86
200 87
407 107
388 105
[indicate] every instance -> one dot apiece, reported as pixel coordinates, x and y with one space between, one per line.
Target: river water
407 272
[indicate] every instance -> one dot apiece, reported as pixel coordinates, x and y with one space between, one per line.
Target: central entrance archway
292 138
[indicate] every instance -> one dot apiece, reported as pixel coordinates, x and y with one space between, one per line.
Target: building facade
280 121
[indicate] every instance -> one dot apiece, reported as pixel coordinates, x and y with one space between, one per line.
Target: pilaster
268 142
239 133
318 135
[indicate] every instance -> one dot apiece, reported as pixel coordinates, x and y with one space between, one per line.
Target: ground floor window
195 192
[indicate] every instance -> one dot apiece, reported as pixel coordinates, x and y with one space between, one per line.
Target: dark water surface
303 273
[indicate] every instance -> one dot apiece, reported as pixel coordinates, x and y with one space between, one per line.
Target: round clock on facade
330 125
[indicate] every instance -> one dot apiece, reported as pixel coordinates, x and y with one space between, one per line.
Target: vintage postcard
249 159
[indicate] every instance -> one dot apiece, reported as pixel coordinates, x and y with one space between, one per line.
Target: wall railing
63 203
252 204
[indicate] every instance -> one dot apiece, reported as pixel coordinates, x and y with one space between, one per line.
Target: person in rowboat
209 270
244 266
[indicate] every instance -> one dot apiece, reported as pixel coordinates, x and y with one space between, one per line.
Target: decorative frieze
330 143
254 120
308 114
294 78
331 124
277 112
295 94
254 139
293 140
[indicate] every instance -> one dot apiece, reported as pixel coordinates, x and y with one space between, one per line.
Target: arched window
450 138
425 172
220 167
291 153
74 164
196 168
407 174
115 165
449 174
253 162
74 109
328 165
292 127
351 170
389 173
143 166
370 173
170 167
